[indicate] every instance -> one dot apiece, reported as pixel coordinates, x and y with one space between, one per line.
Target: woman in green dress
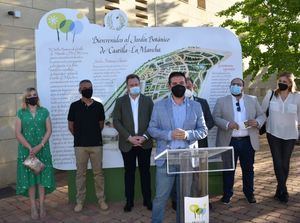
33 130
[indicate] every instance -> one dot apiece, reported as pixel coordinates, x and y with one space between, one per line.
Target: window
201 4
113 1
141 12
111 5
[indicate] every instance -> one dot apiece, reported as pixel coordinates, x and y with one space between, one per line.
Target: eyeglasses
238 107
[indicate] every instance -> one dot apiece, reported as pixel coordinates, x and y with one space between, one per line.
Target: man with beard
176 123
238 117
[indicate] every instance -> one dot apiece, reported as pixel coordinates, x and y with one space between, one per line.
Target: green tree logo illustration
54 20
66 26
58 22
197 210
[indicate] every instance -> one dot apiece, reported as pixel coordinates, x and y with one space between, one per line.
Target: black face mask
282 86
87 93
178 90
32 100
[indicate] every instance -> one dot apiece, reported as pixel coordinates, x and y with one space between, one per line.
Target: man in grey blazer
176 123
131 116
238 117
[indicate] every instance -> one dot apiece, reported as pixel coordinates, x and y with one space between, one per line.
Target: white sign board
69 49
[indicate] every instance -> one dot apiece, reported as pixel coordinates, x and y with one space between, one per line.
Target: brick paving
266 210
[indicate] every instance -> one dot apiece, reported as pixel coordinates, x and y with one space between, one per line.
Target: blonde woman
33 129
282 128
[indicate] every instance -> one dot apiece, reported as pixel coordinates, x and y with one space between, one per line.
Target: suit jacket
209 121
123 121
162 123
223 113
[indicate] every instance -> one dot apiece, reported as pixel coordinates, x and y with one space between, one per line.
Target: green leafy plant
269 34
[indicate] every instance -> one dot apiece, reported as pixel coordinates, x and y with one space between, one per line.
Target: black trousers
281 150
243 151
143 157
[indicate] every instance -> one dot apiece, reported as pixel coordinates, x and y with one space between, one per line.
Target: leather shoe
225 199
149 206
127 207
283 197
251 199
277 195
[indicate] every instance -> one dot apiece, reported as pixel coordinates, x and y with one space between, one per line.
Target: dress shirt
283 115
179 115
239 117
135 112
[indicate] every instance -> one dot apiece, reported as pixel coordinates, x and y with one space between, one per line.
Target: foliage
269 34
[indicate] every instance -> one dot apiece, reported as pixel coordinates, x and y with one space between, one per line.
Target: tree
269 34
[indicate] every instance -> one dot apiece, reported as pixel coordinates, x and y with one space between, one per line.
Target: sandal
42 212
34 213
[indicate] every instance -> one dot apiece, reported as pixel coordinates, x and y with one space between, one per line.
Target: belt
240 138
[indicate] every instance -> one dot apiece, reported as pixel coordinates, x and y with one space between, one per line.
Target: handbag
34 164
263 129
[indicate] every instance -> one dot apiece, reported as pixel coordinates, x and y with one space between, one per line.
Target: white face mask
188 93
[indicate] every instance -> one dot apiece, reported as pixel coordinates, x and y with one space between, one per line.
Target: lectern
193 166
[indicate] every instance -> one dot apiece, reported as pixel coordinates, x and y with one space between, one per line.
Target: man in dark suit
209 120
131 117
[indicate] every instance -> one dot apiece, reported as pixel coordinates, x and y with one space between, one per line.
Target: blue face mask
135 90
235 90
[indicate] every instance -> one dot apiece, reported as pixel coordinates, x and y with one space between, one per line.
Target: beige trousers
83 154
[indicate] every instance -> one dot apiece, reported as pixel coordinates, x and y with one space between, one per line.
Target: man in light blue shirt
176 123
179 115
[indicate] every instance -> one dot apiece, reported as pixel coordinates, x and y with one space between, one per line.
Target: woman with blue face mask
282 128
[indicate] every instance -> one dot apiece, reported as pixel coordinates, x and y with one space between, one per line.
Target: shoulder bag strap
267 112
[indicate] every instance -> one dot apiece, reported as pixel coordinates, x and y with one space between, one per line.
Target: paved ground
16 208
